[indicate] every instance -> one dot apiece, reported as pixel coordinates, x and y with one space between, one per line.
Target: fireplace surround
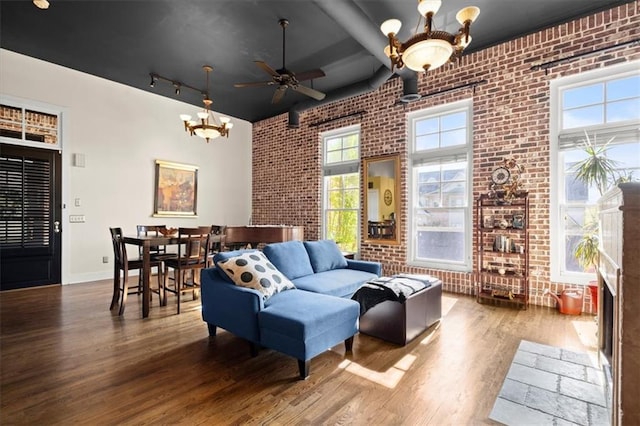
619 293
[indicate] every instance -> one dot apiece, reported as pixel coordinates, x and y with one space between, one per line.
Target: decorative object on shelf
488 222
206 128
503 224
500 175
506 181
518 221
432 48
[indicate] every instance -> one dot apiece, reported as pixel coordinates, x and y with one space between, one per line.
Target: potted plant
600 171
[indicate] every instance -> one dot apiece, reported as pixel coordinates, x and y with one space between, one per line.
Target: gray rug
546 385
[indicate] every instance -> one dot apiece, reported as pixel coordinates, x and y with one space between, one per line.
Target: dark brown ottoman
402 322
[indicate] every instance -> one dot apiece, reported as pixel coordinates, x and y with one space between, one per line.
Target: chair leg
116 289
125 288
160 280
179 286
164 285
348 344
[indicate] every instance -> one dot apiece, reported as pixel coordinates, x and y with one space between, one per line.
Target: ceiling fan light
185 117
426 6
390 26
467 14
427 54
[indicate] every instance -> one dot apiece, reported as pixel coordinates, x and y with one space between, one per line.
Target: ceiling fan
286 78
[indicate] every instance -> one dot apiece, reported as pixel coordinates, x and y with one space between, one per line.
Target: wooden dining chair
122 266
217 242
192 256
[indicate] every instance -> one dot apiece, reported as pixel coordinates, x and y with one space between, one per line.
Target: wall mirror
381 199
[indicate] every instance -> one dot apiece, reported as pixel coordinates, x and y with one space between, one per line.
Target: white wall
121 131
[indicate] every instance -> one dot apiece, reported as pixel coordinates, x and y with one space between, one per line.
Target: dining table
146 242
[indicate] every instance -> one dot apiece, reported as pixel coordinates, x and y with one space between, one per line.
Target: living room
120 131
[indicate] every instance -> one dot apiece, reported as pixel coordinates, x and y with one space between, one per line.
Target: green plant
600 171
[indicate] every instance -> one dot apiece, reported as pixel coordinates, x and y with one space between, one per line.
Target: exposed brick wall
511 118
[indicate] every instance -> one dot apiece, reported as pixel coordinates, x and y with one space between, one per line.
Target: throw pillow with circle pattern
253 270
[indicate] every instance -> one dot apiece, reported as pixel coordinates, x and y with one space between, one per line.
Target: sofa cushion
325 255
337 282
253 270
224 255
290 258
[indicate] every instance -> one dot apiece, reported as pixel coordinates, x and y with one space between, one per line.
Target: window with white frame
440 216
37 126
341 201
602 109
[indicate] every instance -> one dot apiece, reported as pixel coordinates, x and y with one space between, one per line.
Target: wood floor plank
65 358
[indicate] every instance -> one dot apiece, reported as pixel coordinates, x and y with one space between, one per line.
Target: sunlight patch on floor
587 332
389 378
447 304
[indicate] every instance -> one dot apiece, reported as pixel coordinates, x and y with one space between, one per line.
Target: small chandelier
430 49
207 128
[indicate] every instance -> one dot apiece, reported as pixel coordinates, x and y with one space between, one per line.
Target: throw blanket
396 288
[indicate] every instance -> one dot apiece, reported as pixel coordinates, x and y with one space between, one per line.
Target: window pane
334 144
334 199
453 138
334 157
623 88
440 245
582 96
351 141
454 121
623 110
429 125
427 142
583 117
342 227
350 154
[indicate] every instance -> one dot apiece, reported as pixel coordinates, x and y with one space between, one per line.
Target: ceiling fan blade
267 68
309 92
279 93
254 84
310 75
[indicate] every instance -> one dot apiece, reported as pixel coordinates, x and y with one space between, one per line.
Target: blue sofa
301 322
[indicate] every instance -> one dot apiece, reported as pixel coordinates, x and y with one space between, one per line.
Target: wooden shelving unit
502 236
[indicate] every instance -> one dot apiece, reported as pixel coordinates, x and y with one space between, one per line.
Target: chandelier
206 128
430 49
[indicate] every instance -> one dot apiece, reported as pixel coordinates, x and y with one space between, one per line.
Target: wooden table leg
146 271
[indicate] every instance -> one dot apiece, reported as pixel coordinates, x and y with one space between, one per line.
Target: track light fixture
177 86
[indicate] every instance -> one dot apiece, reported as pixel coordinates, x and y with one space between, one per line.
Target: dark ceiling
124 41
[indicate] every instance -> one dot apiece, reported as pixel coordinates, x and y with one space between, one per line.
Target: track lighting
153 80
177 86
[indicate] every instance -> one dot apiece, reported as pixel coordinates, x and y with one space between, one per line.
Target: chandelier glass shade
430 49
206 126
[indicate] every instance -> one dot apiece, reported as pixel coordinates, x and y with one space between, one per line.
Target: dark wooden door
30 217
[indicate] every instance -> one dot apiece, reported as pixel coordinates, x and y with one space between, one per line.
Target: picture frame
518 221
488 221
176 190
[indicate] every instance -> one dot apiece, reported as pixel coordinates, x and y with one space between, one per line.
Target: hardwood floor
65 358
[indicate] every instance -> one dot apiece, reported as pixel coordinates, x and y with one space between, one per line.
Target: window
603 107
38 127
341 205
440 187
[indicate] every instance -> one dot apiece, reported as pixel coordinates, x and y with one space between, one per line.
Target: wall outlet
105 259
76 218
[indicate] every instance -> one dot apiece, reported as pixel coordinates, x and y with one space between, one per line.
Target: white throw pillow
253 270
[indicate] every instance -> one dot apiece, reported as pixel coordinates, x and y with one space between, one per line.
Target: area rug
547 385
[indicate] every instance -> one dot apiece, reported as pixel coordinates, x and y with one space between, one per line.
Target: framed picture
487 221
176 190
518 221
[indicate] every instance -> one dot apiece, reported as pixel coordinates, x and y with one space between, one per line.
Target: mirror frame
367 166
